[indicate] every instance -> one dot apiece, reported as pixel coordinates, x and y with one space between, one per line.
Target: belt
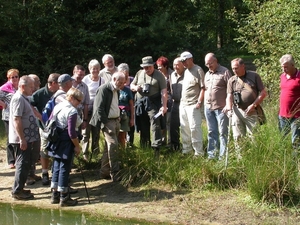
113 118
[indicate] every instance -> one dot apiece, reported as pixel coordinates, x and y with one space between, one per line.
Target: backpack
49 108
51 131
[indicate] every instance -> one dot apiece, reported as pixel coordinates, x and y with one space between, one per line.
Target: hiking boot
67 201
45 179
55 197
21 195
37 178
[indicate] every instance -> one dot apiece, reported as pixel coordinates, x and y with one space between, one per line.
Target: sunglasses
14 77
77 99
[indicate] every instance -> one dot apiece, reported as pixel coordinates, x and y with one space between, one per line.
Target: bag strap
247 86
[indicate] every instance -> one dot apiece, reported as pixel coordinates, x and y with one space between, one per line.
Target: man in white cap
191 100
151 97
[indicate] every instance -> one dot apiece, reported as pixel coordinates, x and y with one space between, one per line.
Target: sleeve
72 126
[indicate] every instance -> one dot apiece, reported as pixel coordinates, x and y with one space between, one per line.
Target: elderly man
289 110
83 108
191 100
176 80
245 91
39 100
109 67
151 97
106 115
23 135
215 83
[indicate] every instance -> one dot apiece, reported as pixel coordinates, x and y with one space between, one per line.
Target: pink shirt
290 96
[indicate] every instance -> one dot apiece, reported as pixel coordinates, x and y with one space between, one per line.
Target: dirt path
152 204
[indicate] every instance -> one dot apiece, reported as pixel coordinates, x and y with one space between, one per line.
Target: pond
23 215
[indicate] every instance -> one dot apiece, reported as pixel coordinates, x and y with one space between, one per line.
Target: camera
146 88
237 99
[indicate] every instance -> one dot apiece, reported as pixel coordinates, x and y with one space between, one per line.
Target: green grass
267 171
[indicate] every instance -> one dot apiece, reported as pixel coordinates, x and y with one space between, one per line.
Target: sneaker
45 179
30 181
21 195
67 201
55 197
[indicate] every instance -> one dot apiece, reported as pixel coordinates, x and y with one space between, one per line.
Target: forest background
44 36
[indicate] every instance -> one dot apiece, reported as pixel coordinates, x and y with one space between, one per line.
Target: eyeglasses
14 77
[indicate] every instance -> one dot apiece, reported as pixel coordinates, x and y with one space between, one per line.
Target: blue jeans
217 125
291 124
60 174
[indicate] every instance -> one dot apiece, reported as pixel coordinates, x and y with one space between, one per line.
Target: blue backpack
49 108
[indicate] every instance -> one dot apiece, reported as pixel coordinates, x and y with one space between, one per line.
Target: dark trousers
10 151
22 165
147 123
174 126
130 135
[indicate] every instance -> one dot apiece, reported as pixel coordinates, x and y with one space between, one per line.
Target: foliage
271 30
44 36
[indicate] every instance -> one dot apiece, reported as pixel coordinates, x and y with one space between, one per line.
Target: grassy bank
268 170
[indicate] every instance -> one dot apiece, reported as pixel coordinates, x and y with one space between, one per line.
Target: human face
28 88
119 84
78 75
149 70
187 63
178 67
211 63
14 79
288 68
94 70
238 69
162 69
69 84
75 101
109 63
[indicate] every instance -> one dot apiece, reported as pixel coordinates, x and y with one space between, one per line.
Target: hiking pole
228 139
87 194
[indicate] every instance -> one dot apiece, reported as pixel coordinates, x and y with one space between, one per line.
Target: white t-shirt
93 87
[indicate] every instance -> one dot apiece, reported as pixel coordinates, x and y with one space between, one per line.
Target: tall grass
267 169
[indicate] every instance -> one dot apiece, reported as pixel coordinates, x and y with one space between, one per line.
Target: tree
271 30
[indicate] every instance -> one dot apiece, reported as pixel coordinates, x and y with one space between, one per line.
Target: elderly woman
6 92
93 81
126 106
62 151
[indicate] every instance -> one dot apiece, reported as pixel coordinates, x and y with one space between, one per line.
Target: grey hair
107 56
93 63
287 58
24 80
123 67
118 75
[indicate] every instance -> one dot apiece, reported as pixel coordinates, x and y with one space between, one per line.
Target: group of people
162 105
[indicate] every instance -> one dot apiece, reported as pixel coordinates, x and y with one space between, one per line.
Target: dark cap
64 78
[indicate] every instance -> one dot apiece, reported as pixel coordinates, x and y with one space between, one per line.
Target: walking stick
87 194
228 139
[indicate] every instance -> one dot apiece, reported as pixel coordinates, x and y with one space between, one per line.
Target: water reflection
21 215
